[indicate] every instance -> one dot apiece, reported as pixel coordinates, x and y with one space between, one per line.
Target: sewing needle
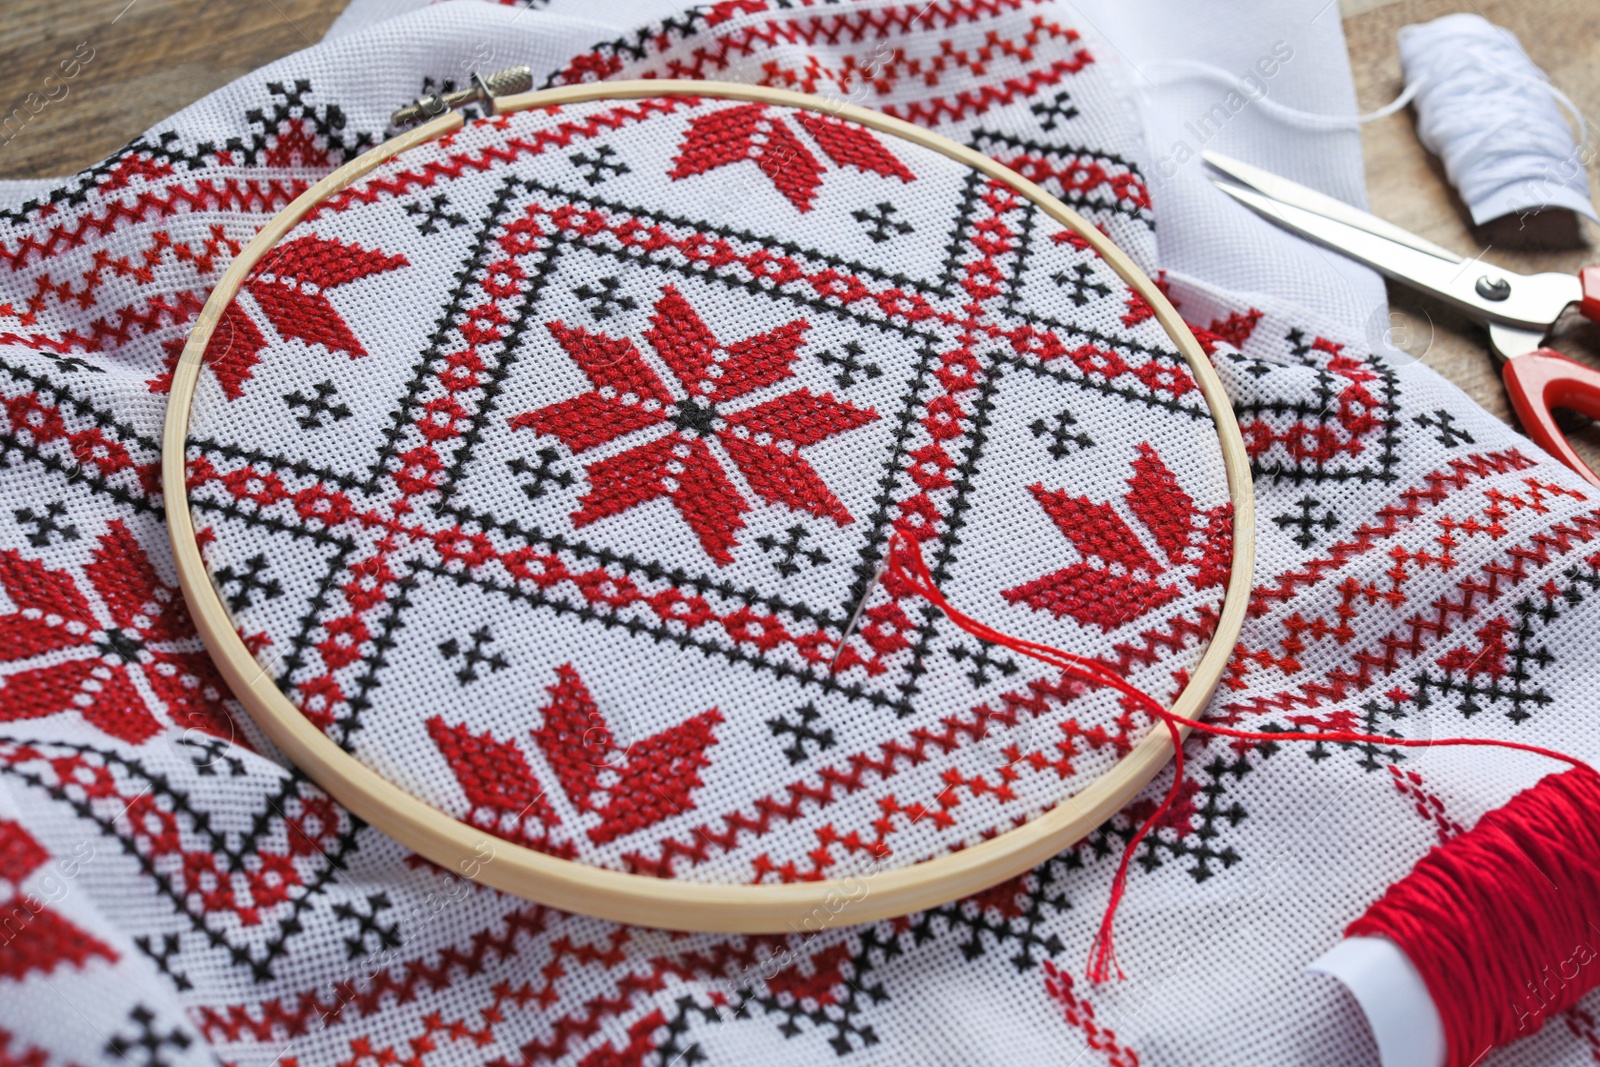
855 616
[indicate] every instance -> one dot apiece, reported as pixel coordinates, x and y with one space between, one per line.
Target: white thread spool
1491 116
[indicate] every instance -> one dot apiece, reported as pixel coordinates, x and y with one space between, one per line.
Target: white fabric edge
1405 1023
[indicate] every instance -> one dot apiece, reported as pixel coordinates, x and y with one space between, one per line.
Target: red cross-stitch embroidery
748 132
290 289
1125 582
762 441
150 630
1078 1012
629 788
35 938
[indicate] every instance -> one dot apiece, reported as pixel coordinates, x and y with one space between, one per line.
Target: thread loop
907 574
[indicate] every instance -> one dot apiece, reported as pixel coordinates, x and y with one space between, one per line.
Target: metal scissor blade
1293 193
1531 303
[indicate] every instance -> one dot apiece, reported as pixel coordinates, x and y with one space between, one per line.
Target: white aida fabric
624 402
445 526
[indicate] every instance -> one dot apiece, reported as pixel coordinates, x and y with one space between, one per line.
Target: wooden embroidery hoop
638 899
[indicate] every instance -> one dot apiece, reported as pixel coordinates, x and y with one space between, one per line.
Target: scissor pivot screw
1493 288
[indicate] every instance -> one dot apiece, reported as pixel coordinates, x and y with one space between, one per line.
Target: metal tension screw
483 90
1493 288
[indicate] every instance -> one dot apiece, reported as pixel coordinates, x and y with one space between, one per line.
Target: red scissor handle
1589 304
1545 379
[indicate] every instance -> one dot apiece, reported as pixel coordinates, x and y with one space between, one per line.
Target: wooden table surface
144 68
1407 186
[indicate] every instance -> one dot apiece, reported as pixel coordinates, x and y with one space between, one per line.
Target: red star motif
630 789
290 288
45 940
762 440
747 132
1118 580
148 619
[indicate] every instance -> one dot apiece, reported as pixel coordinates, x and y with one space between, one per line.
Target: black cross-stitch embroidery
1307 521
601 165
789 550
880 223
803 732
473 655
47 524
1062 438
247 582
436 211
318 404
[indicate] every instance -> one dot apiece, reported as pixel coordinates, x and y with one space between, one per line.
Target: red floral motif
762 440
1118 579
148 621
748 132
505 796
630 789
290 289
36 938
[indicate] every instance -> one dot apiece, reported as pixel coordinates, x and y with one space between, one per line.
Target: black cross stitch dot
207 752
850 365
695 416
880 226
1082 286
249 582
123 644
1049 113
145 1047
606 299
1374 757
388 936
438 210
599 166
163 958
544 474
317 405
1254 366
670 1050
1298 345
77 364
1307 521
473 655
46 524
982 663
789 550
1449 434
1062 439
802 732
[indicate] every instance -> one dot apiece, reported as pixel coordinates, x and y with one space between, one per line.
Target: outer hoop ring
637 899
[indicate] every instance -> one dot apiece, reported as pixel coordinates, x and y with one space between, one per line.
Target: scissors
1519 309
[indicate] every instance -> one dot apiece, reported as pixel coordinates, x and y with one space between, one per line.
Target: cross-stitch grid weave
605 419
174 897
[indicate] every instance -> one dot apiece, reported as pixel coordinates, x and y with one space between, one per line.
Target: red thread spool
1498 921
1502 921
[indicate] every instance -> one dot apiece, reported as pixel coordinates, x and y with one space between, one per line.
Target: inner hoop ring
639 899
